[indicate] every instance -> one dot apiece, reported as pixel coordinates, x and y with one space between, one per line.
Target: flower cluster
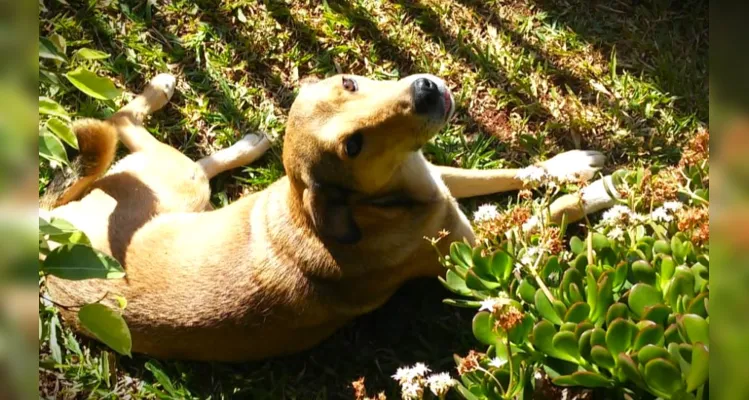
413 380
469 363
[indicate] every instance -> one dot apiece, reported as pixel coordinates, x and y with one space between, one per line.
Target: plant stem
539 281
509 359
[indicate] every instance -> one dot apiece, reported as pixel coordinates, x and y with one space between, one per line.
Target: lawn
531 79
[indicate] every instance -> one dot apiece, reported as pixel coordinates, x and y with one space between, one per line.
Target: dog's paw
575 163
163 83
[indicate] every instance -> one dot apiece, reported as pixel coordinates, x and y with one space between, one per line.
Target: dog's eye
350 84
354 144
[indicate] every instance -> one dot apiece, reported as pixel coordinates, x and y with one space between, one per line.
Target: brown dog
276 271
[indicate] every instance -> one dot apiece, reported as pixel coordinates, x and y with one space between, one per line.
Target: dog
276 271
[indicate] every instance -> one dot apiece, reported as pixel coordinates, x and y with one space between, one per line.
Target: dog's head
346 137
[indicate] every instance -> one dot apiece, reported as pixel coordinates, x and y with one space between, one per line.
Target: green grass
531 79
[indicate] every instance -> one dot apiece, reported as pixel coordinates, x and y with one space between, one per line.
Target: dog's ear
331 214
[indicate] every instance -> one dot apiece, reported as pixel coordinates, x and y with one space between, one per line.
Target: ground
531 79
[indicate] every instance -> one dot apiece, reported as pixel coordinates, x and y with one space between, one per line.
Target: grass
531 79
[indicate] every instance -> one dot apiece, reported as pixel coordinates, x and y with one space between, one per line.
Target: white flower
497 363
530 224
412 391
410 374
660 214
616 233
673 205
639 218
485 212
616 214
532 175
529 258
488 304
440 383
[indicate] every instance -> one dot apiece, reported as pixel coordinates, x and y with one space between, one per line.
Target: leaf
700 361
542 337
50 107
93 85
662 247
90 54
658 313
630 370
667 269
483 328
54 344
643 272
106 325
602 357
467 395
697 305
76 262
476 283
650 333
682 284
51 148
527 292
583 378
598 337
600 241
577 245
694 328
583 343
545 309
48 50
663 377
460 254
642 296
161 377
617 310
501 265
620 275
519 333
63 131
578 312
566 343
455 284
605 296
619 335
650 352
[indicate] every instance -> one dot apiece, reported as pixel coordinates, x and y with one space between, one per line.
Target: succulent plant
625 310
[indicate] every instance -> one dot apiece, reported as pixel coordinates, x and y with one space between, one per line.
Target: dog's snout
426 95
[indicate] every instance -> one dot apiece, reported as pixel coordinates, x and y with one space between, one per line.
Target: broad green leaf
76 262
694 328
602 357
54 343
671 335
619 335
583 342
62 232
483 328
698 306
605 296
662 247
620 275
90 54
476 283
519 333
542 337
574 294
50 107
657 313
583 378
630 370
643 272
51 148
545 308
682 284
578 312
93 85
48 50
106 325
600 241
598 337
651 352
663 377
591 292
700 361
642 296
63 131
455 284
650 333
577 245
667 267
566 342
617 310
162 378
527 292
501 265
460 254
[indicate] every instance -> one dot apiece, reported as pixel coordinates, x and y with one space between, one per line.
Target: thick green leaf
583 378
650 352
578 312
474 282
545 308
62 232
51 148
50 107
694 328
566 342
106 325
591 292
678 249
54 344
602 357
76 262
501 265
662 247
658 313
455 284
617 310
642 296
483 328
583 343
663 377
598 337
698 305
643 272
605 296
577 245
519 333
671 335
93 85
666 268
682 284
571 275
600 241
700 361
63 131
619 335
574 295
630 370
650 333
162 378
90 54
542 337
460 254
48 50
527 292
620 275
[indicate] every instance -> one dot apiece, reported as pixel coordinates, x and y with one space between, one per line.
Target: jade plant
622 306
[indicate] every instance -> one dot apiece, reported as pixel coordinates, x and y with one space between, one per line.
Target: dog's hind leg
129 119
245 151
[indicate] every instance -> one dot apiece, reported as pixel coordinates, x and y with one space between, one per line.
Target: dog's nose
426 95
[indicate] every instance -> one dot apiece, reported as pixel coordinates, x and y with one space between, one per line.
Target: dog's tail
97 142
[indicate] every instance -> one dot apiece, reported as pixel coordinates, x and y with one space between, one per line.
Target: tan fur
261 277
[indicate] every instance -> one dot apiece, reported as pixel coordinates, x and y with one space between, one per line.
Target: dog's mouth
448 104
